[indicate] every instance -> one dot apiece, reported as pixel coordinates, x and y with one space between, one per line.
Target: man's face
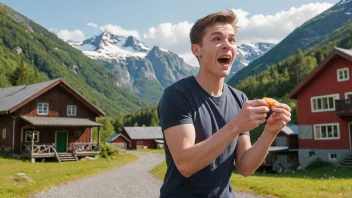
218 49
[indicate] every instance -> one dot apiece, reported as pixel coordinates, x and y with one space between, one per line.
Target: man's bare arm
190 157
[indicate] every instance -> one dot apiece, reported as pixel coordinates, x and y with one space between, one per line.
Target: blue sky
166 23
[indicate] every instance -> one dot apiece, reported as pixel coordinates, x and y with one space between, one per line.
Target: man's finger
281 111
283 105
256 103
260 109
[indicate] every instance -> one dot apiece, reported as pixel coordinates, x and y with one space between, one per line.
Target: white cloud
94 25
274 28
117 30
253 28
75 35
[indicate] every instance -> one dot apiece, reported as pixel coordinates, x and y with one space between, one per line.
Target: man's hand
279 118
251 115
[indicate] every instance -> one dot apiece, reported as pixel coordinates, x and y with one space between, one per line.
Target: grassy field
48 174
327 181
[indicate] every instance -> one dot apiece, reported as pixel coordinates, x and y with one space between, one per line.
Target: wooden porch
74 152
343 107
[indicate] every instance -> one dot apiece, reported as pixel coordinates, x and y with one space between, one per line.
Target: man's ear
196 50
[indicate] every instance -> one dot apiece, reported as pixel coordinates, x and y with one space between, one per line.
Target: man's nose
226 45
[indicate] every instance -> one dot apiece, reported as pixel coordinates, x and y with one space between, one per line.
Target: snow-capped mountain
139 68
110 46
247 53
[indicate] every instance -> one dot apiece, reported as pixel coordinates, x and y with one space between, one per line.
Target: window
3 134
324 103
71 110
43 108
348 95
326 131
311 153
28 137
332 156
342 74
140 142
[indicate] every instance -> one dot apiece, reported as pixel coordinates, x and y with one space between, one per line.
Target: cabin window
71 110
28 136
324 103
140 142
326 131
43 108
332 156
342 74
311 153
3 134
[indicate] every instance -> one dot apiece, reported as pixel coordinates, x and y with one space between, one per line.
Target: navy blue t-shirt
186 102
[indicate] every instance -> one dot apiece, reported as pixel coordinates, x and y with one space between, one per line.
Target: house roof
290 129
60 121
344 53
138 133
10 97
116 135
13 98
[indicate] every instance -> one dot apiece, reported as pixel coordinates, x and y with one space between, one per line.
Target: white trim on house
326 125
343 70
47 108
3 133
347 93
66 139
70 109
335 97
350 133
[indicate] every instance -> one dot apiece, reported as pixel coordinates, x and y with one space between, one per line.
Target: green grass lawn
48 174
326 181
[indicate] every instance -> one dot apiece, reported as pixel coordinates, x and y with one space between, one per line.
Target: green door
61 141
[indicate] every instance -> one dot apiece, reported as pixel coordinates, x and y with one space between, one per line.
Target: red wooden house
47 120
118 140
143 137
324 109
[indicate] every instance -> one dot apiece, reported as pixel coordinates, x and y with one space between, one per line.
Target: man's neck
210 83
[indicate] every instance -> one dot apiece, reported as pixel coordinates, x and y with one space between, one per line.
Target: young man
205 122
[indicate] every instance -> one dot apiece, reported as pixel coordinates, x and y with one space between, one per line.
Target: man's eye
216 39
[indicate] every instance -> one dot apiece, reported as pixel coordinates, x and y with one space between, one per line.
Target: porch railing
39 148
344 107
83 147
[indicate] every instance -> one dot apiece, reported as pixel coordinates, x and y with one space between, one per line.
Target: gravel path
132 180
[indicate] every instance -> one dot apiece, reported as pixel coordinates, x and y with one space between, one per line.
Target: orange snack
271 102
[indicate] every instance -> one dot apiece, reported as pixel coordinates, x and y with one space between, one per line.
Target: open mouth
224 59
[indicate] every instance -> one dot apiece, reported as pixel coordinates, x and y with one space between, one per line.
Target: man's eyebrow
217 32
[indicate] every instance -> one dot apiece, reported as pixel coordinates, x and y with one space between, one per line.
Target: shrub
107 151
318 163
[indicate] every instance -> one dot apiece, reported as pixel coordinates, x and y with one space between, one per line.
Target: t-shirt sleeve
243 99
174 109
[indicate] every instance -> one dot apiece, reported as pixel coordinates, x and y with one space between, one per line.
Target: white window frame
3 133
326 125
28 133
347 93
335 96
332 159
342 70
47 108
67 110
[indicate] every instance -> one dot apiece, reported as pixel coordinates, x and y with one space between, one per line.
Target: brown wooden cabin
47 120
283 152
143 137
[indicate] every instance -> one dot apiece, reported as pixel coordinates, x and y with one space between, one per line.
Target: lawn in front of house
326 181
48 174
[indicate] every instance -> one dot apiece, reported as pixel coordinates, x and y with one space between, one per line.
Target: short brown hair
198 29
